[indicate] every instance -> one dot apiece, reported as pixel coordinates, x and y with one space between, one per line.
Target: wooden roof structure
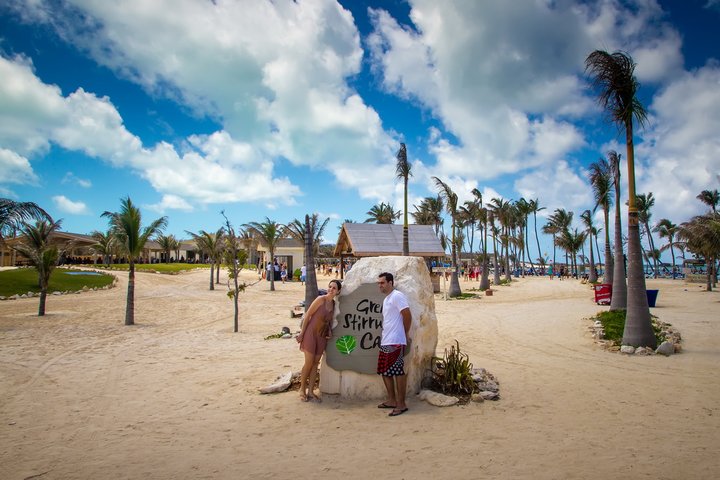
376 239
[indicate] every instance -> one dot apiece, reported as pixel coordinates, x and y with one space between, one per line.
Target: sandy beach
176 396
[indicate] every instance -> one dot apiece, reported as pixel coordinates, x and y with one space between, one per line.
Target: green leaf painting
346 344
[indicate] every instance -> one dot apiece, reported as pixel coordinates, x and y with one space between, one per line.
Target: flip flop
395 413
385 405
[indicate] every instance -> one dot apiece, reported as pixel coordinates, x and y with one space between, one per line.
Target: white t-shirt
393 332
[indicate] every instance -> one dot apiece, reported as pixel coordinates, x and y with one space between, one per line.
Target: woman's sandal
303 397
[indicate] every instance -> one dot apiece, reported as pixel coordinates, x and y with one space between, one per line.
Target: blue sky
277 109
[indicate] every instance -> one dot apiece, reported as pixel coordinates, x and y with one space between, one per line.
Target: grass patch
156 267
24 280
613 323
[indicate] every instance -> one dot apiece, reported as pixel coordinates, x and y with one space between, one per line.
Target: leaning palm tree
613 76
666 229
131 238
13 213
600 176
451 202
268 232
42 252
402 171
212 245
534 207
382 213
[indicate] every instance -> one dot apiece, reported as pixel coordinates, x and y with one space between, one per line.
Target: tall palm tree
296 229
644 204
613 76
711 198
502 211
104 245
42 252
269 232
212 245
534 207
451 202
13 213
551 228
618 300
560 222
666 229
402 171
311 287
525 208
126 226
587 219
571 242
382 213
600 176
701 236
484 218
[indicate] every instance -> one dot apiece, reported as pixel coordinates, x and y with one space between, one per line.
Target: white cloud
66 205
16 169
74 179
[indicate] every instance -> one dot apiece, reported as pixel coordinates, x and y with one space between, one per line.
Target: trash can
652 297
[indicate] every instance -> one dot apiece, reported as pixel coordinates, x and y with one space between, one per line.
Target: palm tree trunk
608 270
592 277
130 301
406 237
212 274
618 300
217 272
638 327
272 269
485 276
311 287
43 298
652 249
454 279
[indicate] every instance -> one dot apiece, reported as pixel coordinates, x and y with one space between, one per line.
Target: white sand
83 396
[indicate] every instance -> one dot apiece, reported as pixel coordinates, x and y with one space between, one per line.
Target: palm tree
451 203
710 198
167 243
601 181
296 229
618 300
382 213
559 223
571 242
13 213
104 245
42 252
502 211
613 77
534 207
644 204
525 208
666 229
587 219
212 245
402 171
701 236
131 238
311 287
551 228
268 232
430 213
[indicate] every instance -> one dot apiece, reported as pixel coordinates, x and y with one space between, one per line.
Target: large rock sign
351 356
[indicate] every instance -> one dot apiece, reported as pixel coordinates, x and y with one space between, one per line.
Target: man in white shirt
396 326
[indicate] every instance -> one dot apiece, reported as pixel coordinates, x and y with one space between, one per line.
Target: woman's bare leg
312 377
305 374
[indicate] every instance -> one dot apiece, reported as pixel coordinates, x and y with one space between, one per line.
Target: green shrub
613 323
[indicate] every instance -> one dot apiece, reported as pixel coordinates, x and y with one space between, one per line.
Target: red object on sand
603 293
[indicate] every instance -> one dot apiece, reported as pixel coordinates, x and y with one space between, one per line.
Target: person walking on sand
315 331
394 339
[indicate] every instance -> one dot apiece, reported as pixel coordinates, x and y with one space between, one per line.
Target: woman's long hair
323 326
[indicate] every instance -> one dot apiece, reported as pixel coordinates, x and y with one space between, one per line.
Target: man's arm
407 320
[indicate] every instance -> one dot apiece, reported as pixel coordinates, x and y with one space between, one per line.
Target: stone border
670 346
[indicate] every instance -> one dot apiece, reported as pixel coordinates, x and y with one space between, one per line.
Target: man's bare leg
390 387
401 381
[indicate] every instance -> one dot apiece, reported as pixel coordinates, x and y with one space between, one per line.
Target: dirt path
175 396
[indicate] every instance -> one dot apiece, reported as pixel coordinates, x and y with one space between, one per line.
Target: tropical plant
296 229
212 245
451 202
644 204
666 229
614 79
430 213
534 208
104 245
587 219
43 253
711 198
13 213
234 258
601 181
126 226
402 171
268 232
452 374
382 213
701 236
167 244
